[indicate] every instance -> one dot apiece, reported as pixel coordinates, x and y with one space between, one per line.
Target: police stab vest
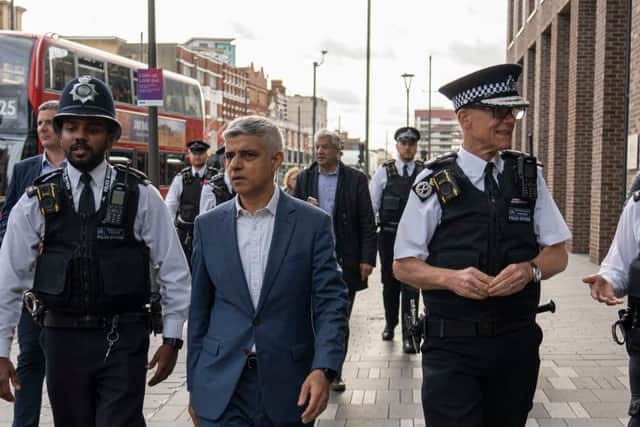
190 197
91 264
220 190
476 232
395 194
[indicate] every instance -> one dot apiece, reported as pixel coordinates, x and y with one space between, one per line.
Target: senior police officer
390 188
99 229
183 198
218 190
479 232
619 275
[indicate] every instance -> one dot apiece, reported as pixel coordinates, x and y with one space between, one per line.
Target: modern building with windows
445 132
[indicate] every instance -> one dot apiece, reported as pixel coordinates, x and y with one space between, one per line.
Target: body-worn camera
446 185
47 199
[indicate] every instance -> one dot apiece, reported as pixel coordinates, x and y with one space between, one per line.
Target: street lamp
316 64
407 84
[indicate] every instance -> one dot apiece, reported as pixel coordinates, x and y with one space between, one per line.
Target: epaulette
31 190
419 162
216 179
139 175
47 176
390 167
636 195
442 159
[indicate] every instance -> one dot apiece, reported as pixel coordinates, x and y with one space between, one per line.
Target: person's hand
470 283
314 393
602 290
192 413
8 378
512 279
165 357
365 270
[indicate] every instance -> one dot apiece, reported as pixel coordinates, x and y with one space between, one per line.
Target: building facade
305 106
445 132
221 48
258 92
573 54
5 15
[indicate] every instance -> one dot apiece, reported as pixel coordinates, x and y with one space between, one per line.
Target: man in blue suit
31 363
268 311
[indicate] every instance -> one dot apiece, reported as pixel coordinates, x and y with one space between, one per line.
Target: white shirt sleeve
624 248
25 230
173 196
376 187
549 226
417 225
208 199
154 226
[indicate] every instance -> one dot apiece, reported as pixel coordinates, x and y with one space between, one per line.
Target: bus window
120 82
135 87
91 67
173 97
192 101
175 163
142 161
122 157
59 67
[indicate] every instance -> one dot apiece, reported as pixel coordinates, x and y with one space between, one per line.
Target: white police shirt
379 182
208 198
175 190
153 225
420 219
624 249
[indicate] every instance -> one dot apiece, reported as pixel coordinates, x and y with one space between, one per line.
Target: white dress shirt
175 190
254 234
624 249
152 225
420 219
379 182
208 198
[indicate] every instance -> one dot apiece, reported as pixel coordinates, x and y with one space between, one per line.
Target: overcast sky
286 36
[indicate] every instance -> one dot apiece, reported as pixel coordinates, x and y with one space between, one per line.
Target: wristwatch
537 273
173 342
330 374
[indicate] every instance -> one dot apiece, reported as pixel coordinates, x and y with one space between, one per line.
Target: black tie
87 203
491 188
405 171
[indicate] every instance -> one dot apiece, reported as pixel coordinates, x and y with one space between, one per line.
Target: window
59 67
120 83
91 67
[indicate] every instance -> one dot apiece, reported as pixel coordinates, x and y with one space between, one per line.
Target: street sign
150 90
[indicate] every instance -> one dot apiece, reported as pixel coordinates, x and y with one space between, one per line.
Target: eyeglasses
501 112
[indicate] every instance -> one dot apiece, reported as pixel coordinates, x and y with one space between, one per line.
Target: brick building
445 131
257 91
574 66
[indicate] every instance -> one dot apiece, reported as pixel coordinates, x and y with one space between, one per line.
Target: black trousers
185 235
392 288
632 342
352 300
480 381
87 391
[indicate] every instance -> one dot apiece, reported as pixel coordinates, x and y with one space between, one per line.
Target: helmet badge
83 91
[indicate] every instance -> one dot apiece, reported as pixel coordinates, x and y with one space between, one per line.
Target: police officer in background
218 190
183 198
479 232
99 229
390 188
619 275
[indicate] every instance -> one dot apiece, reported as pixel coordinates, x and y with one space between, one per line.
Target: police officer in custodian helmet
479 232
99 228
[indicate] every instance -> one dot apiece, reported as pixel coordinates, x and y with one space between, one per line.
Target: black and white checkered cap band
489 90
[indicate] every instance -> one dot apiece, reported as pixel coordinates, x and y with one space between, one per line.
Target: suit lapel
313 191
282 232
232 258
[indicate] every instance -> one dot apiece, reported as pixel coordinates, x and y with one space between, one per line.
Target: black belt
54 319
461 328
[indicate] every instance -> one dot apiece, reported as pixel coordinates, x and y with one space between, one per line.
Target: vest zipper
84 249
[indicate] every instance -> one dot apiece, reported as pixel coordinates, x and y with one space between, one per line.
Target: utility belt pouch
34 306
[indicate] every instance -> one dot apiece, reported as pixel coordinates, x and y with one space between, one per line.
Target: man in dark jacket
343 193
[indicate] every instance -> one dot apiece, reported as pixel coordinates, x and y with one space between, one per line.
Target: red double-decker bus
35 68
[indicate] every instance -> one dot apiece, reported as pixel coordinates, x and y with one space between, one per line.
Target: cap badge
83 91
511 84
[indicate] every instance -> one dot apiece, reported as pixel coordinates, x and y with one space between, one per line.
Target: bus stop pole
154 154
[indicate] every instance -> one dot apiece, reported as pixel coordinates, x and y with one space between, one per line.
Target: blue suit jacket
24 173
299 324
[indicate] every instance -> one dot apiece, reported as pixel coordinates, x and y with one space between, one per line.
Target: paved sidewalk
583 378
